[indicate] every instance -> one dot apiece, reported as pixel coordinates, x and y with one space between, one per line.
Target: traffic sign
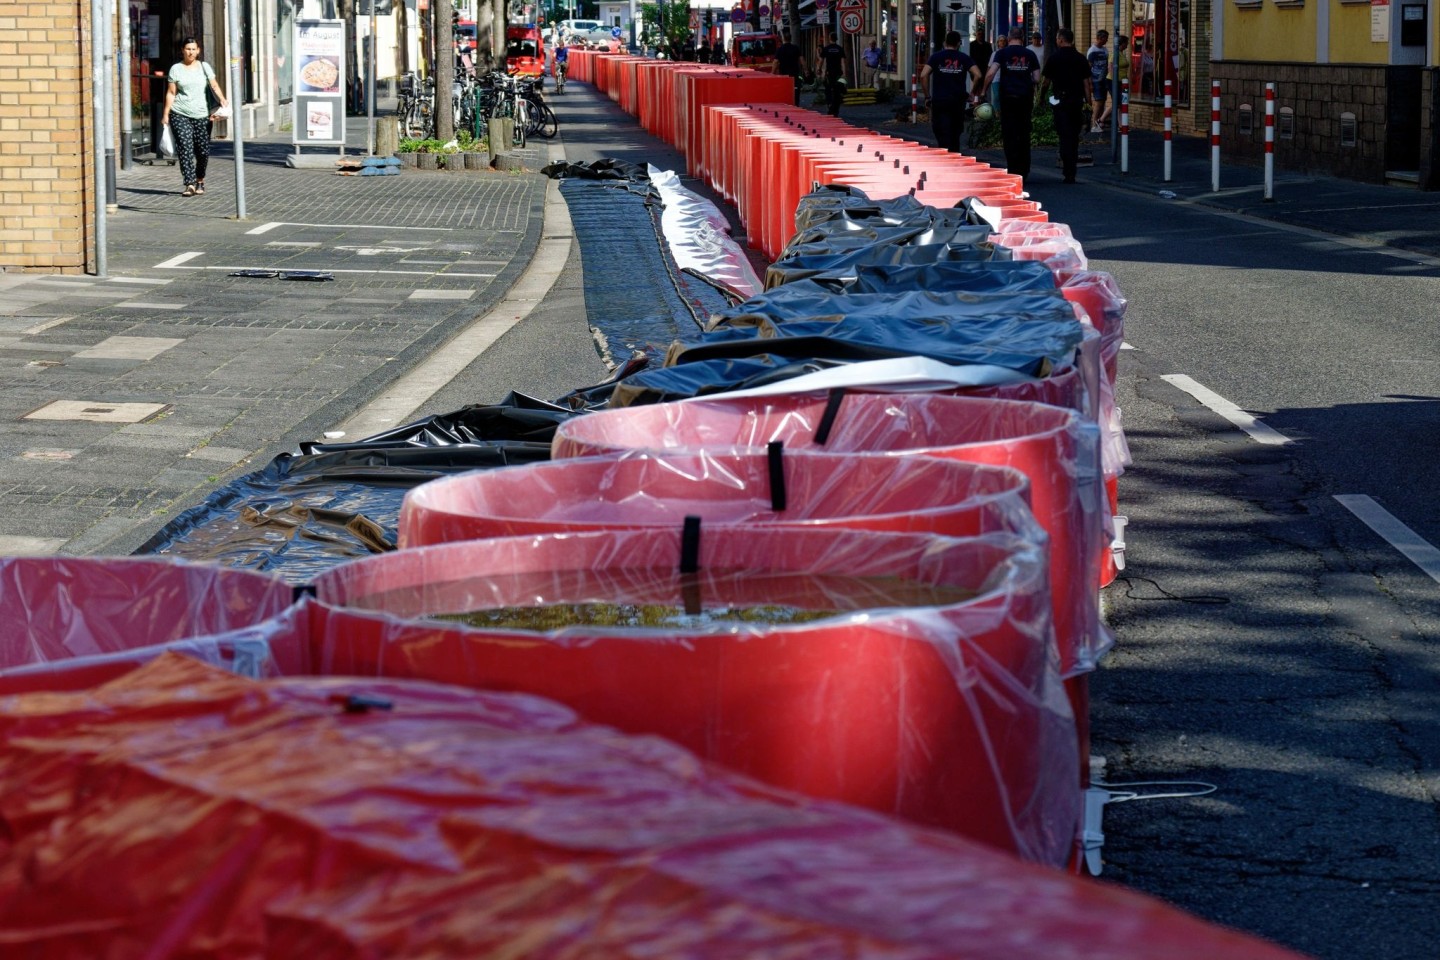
764 10
822 17
850 5
822 4
737 15
615 32
852 21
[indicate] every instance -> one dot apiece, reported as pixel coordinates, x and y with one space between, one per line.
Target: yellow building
1354 82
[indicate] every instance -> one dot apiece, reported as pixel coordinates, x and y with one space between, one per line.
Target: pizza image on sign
320 75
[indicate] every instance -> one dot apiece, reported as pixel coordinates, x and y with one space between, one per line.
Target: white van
591 31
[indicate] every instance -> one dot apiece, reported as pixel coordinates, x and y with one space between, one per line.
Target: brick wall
46 185
1318 94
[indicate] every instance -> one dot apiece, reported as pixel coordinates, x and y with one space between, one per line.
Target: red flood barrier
281 830
642 489
109 611
1051 446
927 689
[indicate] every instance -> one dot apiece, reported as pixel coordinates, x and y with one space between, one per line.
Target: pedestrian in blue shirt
949 80
1019 72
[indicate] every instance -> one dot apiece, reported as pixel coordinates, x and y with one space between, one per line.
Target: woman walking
188 114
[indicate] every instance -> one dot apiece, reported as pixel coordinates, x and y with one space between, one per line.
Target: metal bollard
1169 126
1215 136
1269 141
1125 126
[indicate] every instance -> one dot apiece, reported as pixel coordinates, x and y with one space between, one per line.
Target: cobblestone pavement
126 399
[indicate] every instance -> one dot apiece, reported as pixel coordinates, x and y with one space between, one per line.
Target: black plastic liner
301 515
636 297
711 377
605 168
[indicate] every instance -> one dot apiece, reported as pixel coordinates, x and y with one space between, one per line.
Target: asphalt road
1270 643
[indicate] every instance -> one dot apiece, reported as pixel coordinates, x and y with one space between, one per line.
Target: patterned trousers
192 145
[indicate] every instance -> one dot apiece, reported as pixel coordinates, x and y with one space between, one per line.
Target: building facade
1355 85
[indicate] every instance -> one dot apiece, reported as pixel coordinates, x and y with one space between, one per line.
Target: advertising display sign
319 83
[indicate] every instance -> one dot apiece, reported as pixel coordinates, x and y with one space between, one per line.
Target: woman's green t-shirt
190 83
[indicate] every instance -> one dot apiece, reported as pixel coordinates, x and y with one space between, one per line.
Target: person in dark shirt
980 49
1068 73
789 62
1018 71
832 55
704 54
949 79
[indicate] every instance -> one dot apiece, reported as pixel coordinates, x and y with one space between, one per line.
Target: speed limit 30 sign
852 21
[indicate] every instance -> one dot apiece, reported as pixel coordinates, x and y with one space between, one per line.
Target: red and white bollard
1215 136
1169 125
1125 126
913 106
1269 141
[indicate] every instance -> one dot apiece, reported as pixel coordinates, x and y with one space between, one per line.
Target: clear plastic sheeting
927 686
452 824
699 237
1055 448
640 489
55 609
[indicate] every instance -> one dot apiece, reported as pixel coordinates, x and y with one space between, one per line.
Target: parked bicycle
417 106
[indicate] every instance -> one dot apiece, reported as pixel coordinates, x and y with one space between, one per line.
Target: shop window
1349 130
1246 122
1160 50
1286 125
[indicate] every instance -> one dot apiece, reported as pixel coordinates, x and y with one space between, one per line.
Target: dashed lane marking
1416 548
1258 431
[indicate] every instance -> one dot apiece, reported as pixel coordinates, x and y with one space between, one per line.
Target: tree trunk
444 70
502 20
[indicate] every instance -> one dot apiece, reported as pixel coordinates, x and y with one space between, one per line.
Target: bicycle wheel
522 121
414 121
547 126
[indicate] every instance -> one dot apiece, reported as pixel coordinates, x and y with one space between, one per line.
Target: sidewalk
1399 217
127 399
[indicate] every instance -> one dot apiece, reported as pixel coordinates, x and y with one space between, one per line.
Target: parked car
590 31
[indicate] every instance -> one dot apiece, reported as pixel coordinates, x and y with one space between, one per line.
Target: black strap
690 546
827 419
776 451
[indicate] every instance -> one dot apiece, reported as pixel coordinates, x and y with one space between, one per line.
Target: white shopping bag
167 143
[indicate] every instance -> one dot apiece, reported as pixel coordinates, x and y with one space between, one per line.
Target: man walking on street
1069 74
1018 71
948 79
789 63
832 55
980 49
1099 58
1037 47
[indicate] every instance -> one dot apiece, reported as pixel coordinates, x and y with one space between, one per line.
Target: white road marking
1258 431
1125 346
1416 548
442 294
402 273
145 280
178 259
42 327
148 305
267 227
293 243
